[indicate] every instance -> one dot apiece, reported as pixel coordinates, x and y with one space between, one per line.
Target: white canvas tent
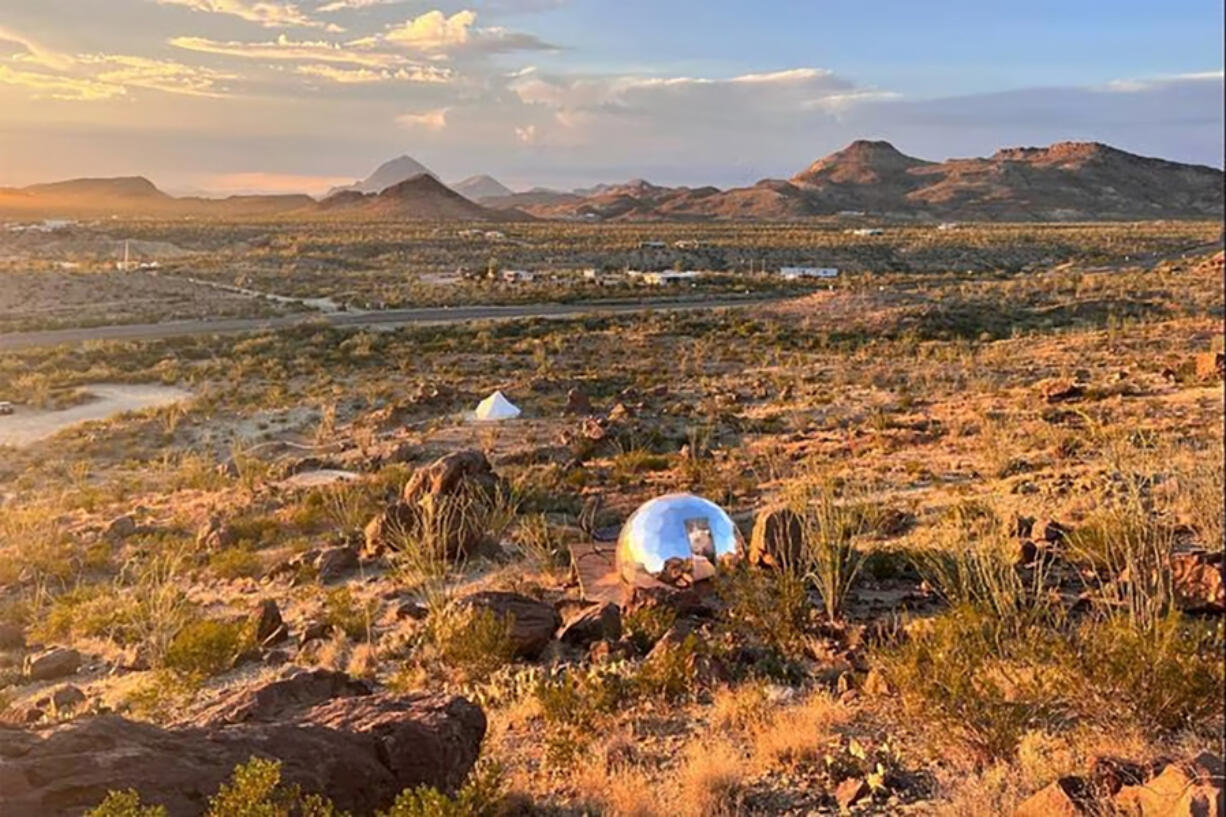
496 407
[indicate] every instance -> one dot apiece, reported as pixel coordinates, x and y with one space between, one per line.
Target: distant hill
1065 181
385 175
421 197
481 187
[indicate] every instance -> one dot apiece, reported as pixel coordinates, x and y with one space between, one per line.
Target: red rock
533 622
1192 789
1066 797
777 538
851 791
1199 580
269 628
360 749
53 663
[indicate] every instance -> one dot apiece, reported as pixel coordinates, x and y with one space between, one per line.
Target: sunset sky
270 95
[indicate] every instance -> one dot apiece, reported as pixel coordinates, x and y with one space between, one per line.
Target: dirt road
386 318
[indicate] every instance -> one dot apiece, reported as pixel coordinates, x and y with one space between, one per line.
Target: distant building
517 276
796 273
652 245
868 231
687 244
669 278
495 235
470 233
948 225
851 213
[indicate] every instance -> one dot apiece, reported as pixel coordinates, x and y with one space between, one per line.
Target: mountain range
1064 181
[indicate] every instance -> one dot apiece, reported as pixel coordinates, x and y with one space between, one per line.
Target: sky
235 96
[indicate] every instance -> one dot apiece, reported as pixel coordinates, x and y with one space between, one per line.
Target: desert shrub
256 790
347 613
770 608
639 461
540 542
829 524
125 804
206 647
471 641
481 795
647 624
236 563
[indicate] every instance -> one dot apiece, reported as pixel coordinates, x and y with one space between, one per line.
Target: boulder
387 529
1210 365
1199 581
533 622
1192 789
595 623
448 493
851 791
62 698
577 402
333 736
215 534
56 662
1062 391
269 628
1067 797
777 539
334 562
1048 531
119 528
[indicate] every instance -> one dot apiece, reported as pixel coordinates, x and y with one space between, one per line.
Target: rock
620 411
577 402
269 628
777 538
1067 797
599 622
1191 789
851 791
119 528
12 637
62 698
1062 391
334 562
411 609
1210 365
1199 580
1110 774
1049 531
1026 553
875 683
387 529
315 630
215 534
533 622
332 735
446 492
53 663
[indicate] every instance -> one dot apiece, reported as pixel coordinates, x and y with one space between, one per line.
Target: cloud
437 34
428 120
159 75
34 52
50 86
363 76
283 48
265 12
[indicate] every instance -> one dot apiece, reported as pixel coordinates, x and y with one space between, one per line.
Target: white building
668 278
868 231
796 273
948 225
517 276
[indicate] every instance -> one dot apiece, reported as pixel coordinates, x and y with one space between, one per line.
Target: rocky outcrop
333 735
1190 789
56 662
532 622
1199 581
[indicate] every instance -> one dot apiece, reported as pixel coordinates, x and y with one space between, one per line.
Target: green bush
203 648
125 804
481 796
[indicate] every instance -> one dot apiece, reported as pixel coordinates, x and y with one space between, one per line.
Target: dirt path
29 425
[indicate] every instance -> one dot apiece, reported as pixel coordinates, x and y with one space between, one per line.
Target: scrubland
992 473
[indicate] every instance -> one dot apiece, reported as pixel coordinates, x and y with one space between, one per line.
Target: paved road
386 317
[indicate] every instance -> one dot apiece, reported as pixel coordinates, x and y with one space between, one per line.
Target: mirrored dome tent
676 539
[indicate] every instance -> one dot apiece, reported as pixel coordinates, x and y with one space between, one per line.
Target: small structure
947 225
868 231
496 407
652 245
494 235
796 273
517 276
658 279
687 244
6 407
